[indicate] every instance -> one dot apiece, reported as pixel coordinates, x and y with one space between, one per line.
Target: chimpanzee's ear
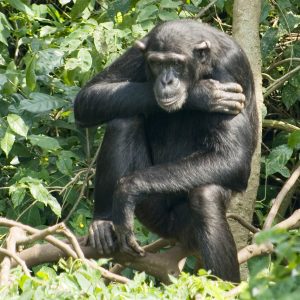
201 50
142 44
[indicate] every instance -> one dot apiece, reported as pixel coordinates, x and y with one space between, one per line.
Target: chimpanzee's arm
229 88
119 91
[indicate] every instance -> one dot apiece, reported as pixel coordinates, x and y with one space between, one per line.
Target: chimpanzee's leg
124 150
212 237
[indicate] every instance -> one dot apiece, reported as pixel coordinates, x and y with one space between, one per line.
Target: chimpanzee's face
175 72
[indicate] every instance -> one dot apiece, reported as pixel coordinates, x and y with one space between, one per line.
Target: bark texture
246 19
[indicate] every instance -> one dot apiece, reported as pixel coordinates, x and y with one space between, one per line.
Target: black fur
175 170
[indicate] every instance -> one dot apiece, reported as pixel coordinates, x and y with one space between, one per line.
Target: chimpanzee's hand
213 96
227 97
102 237
127 242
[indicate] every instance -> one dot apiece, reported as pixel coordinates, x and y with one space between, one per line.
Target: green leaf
17 125
30 73
277 160
7 142
53 57
65 165
46 273
79 7
294 140
41 194
43 141
268 41
290 95
47 30
19 5
167 15
83 61
17 193
40 103
258 264
169 4
147 13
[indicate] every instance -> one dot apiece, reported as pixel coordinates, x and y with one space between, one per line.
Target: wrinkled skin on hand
107 239
102 237
227 98
127 242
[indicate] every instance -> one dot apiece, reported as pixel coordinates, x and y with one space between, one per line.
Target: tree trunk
246 18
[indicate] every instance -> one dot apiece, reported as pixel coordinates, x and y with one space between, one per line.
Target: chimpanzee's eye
155 66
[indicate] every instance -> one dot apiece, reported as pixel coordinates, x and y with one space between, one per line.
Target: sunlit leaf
30 73
17 124
41 194
7 142
79 7
43 141
19 5
40 103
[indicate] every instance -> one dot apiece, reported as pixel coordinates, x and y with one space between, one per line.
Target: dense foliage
48 49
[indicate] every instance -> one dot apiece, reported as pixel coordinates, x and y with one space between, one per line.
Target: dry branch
277 202
254 250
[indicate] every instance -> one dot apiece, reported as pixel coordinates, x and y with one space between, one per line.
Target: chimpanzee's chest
172 136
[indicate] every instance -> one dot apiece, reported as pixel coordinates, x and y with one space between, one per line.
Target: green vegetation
48 50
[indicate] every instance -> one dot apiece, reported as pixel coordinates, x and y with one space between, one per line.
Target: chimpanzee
181 130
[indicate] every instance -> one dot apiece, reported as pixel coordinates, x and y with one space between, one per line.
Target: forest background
48 50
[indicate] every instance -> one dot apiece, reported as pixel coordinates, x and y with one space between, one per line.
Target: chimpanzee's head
175 60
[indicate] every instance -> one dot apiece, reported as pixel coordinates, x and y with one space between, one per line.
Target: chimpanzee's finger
131 241
229 96
230 87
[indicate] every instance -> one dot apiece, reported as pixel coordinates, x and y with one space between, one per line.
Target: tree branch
278 200
276 84
244 223
280 125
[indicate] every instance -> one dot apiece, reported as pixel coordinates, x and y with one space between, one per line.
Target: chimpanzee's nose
167 79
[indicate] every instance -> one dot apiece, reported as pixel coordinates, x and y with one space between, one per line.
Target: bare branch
205 9
42 234
74 242
254 250
244 223
278 63
277 202
85 183
17 259
276 84
11 242
280 125
51 239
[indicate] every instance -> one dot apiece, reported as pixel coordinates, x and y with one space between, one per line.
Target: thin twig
205 9
278 200
107 274
85 182
276 84
244 223
61 245
17 259
51 239
74 242
11 242
235 291
291 222
280 125
254 250
290 59
40 235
